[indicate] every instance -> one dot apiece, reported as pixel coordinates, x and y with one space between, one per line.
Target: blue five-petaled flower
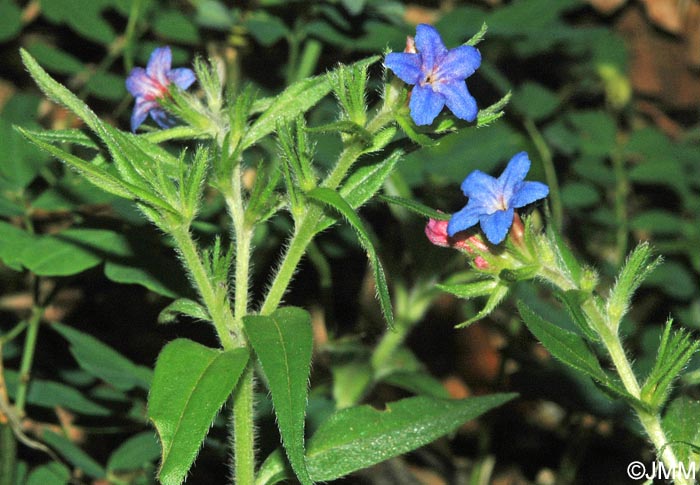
492 201
150 84
438 75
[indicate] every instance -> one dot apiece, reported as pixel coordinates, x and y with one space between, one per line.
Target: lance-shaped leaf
570 349
564 345
359 437
337 202
362 184
103 361
416 207
283 343
190 385
293 101
495 297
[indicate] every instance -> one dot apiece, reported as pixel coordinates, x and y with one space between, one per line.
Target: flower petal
182 77
481 186
425 104
429 45
458 99
527 193
159 64
141 110
465 218
496 225
139 84
515 172
405 66
459 63
162 118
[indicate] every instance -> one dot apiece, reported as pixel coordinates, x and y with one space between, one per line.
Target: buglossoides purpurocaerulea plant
193 382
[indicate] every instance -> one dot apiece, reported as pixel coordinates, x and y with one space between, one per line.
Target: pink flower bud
436 231
410 45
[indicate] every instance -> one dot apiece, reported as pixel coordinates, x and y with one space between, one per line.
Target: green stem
8 455
651 422
244 428
305 231
28 358
217 306
549 170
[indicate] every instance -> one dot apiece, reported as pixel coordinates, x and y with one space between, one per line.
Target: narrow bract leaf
362 185
99 177
274 469
416 207
183 306
471 290
294 100
190 385
359 437
283 342
637 267
496 296
337 202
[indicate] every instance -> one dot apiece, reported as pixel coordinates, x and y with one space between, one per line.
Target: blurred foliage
616 176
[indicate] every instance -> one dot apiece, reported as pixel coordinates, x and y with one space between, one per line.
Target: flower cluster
438 75
150 84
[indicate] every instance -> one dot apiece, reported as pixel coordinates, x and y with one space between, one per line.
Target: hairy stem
651 422
244 428
218 307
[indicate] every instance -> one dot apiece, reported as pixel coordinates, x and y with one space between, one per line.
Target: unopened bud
436 231
410 45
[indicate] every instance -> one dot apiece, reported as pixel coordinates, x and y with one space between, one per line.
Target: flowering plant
230 175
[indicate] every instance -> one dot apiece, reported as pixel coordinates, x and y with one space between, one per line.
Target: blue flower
438 75
492 201
150 84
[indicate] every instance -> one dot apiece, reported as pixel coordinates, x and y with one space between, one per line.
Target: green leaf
74 455
472 289
135 453
682 425
98 176
265 28
54 59
359 437
183 306
495 297
638 266
103 361
283 342
10 20
12 242
190 385
50 394
363 184
535 101
291 102
53 473
573 299
562 344
416 207
72 251
336 201
20 162
274 469
175 25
